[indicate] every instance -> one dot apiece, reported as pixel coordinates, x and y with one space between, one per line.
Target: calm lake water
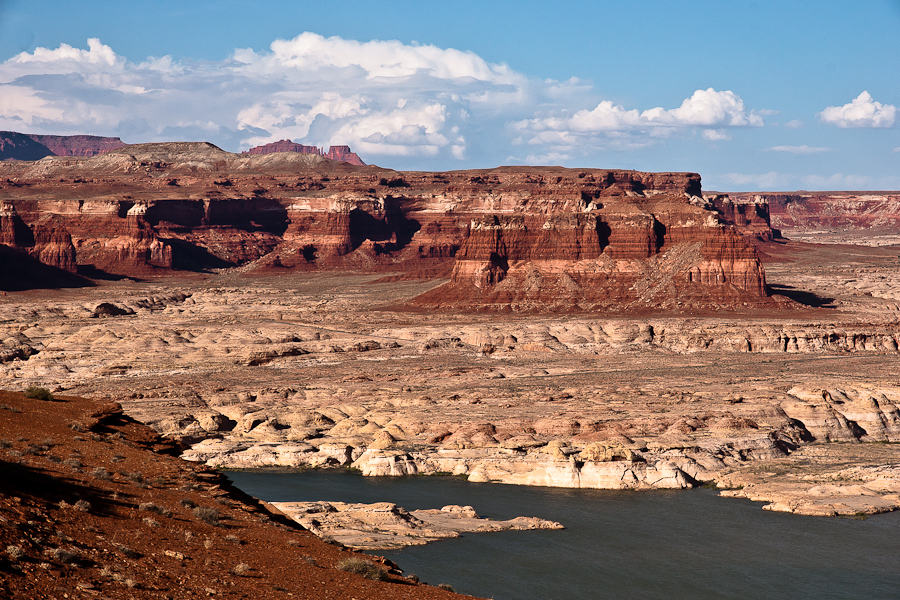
620 544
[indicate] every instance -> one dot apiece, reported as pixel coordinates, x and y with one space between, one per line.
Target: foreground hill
93 504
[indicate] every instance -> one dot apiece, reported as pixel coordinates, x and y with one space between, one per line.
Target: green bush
38 393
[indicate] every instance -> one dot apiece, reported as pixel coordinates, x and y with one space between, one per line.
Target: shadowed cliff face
521 238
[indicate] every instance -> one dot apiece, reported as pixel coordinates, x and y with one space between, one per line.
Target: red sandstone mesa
24 146
519 238
339 153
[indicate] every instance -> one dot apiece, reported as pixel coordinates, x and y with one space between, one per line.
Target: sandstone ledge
386 526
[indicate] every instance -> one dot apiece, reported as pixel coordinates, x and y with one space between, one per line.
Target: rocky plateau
534 326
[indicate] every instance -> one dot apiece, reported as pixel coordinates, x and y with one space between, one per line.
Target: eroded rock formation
520 238
339 153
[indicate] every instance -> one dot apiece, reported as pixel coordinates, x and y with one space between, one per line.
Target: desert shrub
73 463
241 569
15 552
446 586
82 505
4 444
233 539
76 426
64 556
151 522
361 566
188 503
63 505
101 474
117 458
11 409
210 516
38 393
151 507
136 477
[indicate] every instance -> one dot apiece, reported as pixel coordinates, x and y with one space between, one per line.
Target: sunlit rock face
511 238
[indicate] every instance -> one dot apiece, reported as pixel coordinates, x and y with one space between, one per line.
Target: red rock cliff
521 238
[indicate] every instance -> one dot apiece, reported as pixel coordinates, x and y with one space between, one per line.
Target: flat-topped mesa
636 251
520 238
339 153
78 145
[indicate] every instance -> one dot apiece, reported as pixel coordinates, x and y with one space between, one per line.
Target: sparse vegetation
38 393
361 566
73 463
188 503
101 474
151 522
241 569
446 586
15 552
82 506
117 458
210 516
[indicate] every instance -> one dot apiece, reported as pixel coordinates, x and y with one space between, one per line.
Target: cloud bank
863 111
384 98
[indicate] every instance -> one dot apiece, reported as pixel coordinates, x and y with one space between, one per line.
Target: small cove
620 544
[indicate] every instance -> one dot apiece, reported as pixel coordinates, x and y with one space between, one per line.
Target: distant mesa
340 153
24 146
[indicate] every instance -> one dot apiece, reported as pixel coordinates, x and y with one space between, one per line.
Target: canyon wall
834 210
512 238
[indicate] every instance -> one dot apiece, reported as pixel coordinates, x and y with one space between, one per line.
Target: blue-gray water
687 544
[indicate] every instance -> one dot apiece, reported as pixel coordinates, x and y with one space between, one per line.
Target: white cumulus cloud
612 125
383 98
863 111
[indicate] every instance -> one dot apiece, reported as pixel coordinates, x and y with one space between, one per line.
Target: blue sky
758 95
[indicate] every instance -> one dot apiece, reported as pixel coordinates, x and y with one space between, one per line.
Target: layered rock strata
520 238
